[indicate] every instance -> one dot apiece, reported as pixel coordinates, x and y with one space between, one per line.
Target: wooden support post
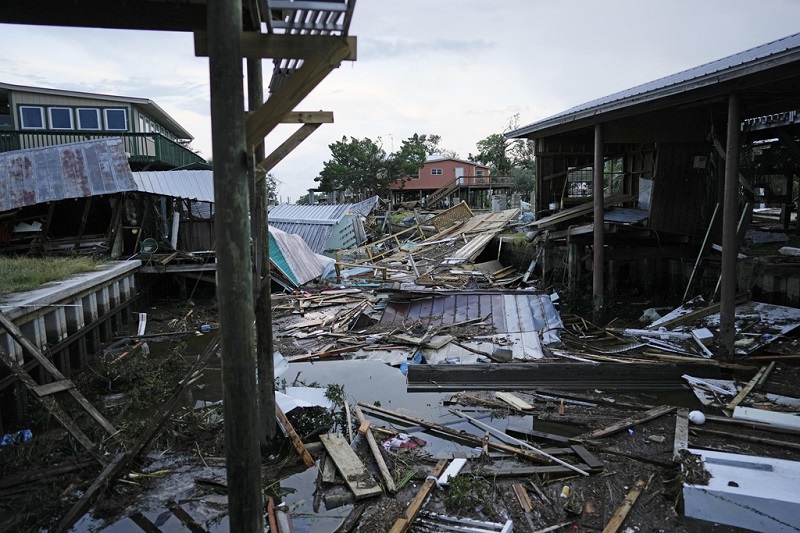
263 291
235 282
730 242
598 263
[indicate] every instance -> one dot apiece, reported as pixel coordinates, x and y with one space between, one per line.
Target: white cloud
457 68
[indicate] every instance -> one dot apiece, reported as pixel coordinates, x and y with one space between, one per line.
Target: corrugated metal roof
294 258
76 170
319 213
766 56
315 235
187 184
524 319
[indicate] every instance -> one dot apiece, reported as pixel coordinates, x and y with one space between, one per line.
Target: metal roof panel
75 170
187 184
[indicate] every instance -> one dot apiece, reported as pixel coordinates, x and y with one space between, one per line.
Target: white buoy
697 417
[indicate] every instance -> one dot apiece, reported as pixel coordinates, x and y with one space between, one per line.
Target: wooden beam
746 389
681 441
627 504
78 510
294 437
257 45
628 422
318 65
286 148
403 523
376 451
51 369
308 117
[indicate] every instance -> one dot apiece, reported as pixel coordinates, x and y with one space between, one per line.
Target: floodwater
369 382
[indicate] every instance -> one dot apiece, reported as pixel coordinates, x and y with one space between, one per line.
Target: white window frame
105 118
50 118
97 115
22 117
436 172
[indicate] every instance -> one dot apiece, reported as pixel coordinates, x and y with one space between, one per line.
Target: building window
116 119
31 117
436 172
88 119
479 172
60 118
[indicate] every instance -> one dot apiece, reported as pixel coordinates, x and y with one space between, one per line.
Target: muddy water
363 381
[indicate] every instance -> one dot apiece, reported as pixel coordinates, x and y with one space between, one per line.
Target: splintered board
350 466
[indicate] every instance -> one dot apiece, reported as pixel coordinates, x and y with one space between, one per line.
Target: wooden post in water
730 238
263 306
598 263
234 274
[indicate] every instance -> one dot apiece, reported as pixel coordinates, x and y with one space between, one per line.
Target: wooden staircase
441 193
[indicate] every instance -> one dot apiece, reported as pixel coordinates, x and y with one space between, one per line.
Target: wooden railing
140 147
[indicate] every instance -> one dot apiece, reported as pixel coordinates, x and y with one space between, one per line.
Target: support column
235 287
730 240
598 265
263 309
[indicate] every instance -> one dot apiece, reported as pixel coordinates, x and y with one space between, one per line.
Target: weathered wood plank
627 423
356 476
513 400
376 451
522 471
588 457
681 433
23 341
294 437
108 473
746 389
403 523
518 431
622 511
52 388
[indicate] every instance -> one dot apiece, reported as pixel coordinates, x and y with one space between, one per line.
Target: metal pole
598 263
234 277
730 239
263 309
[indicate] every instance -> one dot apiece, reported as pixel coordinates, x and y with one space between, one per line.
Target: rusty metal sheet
76 170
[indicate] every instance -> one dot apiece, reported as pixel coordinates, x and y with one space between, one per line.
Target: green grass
26 273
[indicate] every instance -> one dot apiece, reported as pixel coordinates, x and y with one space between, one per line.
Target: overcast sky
456 68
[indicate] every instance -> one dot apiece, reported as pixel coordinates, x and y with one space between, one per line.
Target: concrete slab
757 493
19 304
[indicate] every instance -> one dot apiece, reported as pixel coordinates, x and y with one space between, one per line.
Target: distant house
35 117
444 180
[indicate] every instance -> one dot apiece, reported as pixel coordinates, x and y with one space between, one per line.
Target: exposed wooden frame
257 45
315 68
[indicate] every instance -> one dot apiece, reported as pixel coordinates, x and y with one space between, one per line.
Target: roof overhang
767 77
